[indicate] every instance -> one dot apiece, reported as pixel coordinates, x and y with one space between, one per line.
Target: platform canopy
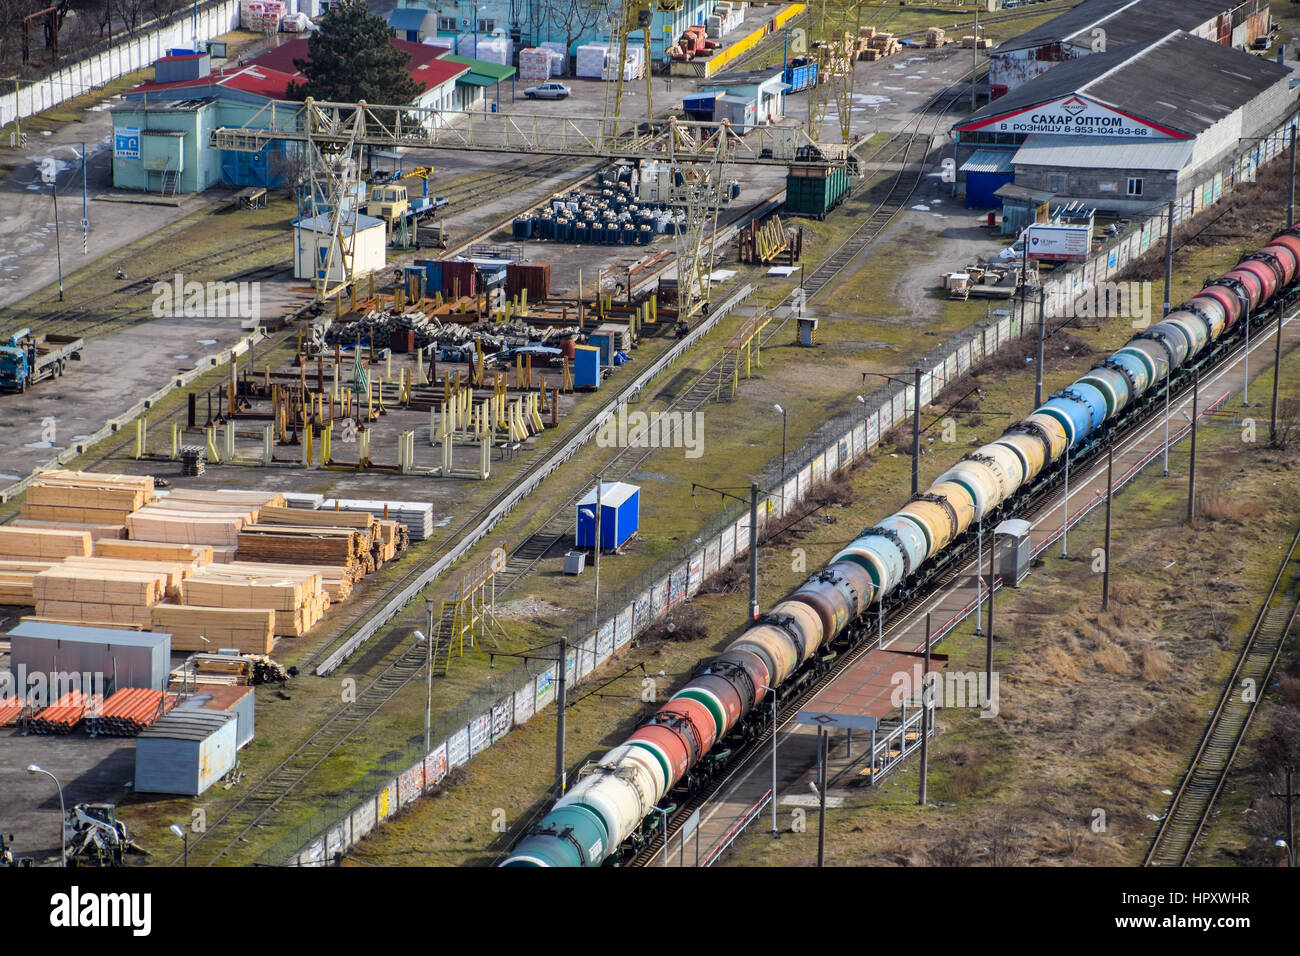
863 695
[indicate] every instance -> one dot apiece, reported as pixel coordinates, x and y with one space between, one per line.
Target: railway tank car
608 808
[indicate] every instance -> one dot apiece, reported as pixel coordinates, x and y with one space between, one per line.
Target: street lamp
428 673
186 837
1290 853
916 421
63 813
776 697
781 412
50 176
863 402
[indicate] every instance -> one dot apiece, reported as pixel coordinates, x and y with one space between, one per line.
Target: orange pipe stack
65 714
129 711
11 708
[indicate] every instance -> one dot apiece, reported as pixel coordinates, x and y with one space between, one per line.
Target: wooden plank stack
43 544
95 595
208 629
200 517
347 548
934 37
16 581
86 498
295 595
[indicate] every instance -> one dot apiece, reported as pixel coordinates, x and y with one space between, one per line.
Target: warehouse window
447 24
1056 182
486 26
1134 186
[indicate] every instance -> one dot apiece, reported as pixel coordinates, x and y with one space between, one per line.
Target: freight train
608 813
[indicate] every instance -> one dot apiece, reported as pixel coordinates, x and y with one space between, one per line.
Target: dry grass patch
1155 664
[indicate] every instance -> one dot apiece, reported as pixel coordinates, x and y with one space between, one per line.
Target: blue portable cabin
586 366
620 513
699 107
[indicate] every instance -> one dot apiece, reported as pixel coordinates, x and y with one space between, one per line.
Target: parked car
547 91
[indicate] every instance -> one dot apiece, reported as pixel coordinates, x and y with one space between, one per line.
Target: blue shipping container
620 514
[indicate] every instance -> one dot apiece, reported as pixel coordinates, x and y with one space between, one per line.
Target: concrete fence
27 98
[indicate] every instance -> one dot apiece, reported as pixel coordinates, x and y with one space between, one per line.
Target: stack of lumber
129 711
417 516
295 595
86 498
97 530
200 517
16 581
878 45
98 595
173 572
934 37
212 669
208 628
335 581
347 548
969 42
190 554
63 716
302 499
384 540
43 544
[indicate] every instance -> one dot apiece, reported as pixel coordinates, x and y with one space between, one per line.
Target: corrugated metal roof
989 161
1085 152
90 635
309 224
189 724
495 72
1150 82
1124 21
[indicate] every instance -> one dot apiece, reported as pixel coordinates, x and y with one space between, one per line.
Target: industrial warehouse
535 436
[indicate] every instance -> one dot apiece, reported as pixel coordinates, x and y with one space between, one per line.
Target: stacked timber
86 498
934 37
416 516
191 554
189 516
294 595
96 530
43 544
251 630
173 572
347 548
98 595
335 581
16 581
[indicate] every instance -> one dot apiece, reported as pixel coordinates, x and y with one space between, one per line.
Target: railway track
1191 806
1222 739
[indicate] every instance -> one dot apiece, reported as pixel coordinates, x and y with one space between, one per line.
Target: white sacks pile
497 50
559 58
633 66
261 16
534 65
591 60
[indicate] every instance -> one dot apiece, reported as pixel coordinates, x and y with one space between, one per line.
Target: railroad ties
1192 805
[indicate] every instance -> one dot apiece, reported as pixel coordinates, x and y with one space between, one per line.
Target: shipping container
586 366
186 752
535 278
814 191
801 77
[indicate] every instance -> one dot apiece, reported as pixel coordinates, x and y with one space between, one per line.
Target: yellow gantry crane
835 50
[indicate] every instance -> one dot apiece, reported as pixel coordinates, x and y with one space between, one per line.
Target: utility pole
988 638
58 248
1169 254
1038 357
821 796
596 612
916 435
974 59
925 711
753 551
1065 509
1290 190
1277 372
428 670
1105 569
562 701
1191 476
1290 819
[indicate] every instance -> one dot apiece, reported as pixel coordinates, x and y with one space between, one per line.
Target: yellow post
177 428
307 445
325 450
139 438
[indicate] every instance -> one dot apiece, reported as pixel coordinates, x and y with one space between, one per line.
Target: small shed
765 89
225 699
185 752
586 366
125 658
986 171
620 515
312 243
413 24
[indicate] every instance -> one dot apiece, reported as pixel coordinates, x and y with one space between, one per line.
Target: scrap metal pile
377 328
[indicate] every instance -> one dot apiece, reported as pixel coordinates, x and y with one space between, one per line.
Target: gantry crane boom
332 132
